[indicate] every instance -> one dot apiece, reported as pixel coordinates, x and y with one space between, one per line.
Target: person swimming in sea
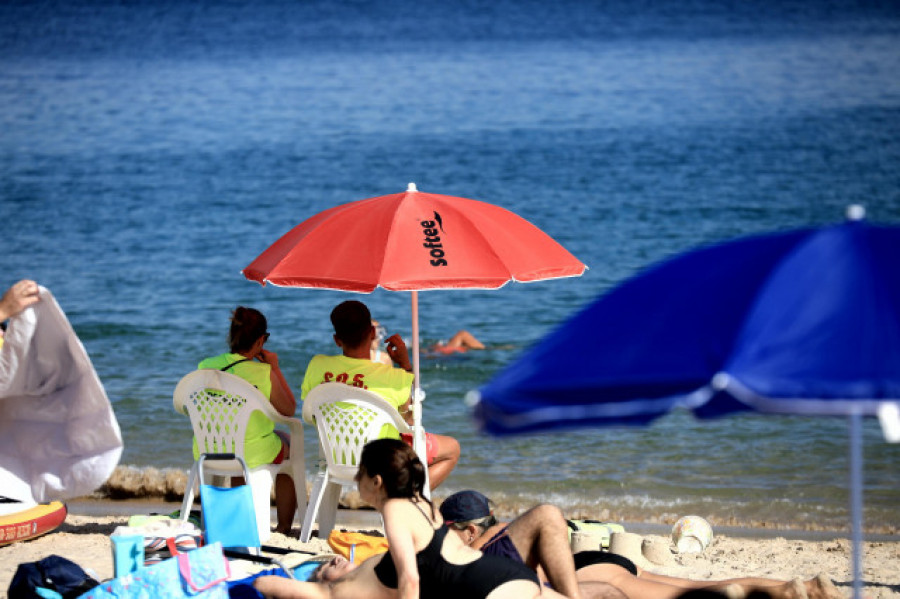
461 342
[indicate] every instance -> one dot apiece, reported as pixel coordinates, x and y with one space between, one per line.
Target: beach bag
51 578
160 534
356 546
202 573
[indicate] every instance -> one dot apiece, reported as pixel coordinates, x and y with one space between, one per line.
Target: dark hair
352 322
247 325
401 470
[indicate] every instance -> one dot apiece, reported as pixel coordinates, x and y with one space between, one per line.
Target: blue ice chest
128 553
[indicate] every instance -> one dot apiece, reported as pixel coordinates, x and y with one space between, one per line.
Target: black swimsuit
439 578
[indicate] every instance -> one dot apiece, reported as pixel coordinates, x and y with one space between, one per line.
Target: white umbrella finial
411 187
856 212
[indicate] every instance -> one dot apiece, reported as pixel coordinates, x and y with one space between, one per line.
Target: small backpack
51 577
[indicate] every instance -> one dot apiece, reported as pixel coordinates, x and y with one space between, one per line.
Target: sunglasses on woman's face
266 336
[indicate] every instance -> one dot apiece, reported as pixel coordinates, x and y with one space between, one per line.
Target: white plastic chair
343 430
219 405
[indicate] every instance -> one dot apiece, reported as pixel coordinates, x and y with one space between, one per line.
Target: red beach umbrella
412 241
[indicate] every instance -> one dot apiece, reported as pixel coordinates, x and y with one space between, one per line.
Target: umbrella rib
577 414
723 381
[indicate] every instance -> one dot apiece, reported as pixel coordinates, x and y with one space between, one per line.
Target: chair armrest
306 411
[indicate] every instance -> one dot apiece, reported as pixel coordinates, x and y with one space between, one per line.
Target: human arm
406 412
285 588
402 546
18 297
282 397
398 352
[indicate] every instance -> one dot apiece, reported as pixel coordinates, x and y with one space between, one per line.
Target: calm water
150 150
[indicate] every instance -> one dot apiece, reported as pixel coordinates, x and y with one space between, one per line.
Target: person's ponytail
416 474
247 325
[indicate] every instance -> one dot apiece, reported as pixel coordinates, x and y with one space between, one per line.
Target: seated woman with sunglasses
258 366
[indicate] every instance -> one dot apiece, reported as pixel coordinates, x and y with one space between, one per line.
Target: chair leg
312 508
188 500
328 508
260 482
296 469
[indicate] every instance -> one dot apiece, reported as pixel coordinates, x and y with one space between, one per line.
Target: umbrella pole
418 432
415 342
856 499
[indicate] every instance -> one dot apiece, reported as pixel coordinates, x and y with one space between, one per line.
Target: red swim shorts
280 457
430 445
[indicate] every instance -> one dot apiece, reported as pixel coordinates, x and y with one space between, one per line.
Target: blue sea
149 150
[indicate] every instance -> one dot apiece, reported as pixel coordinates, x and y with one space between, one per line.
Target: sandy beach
84 539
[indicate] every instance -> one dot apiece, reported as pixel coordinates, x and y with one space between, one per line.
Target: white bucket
692 534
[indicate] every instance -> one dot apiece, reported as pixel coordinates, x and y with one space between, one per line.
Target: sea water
150 150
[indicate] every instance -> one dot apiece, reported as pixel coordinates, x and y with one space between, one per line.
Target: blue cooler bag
199 573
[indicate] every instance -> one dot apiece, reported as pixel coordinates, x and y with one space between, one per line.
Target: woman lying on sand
423 561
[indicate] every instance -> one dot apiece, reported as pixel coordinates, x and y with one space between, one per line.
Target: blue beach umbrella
800 322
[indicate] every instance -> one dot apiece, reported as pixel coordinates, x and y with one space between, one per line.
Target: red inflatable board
31 522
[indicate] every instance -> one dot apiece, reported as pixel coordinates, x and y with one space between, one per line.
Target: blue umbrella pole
856 499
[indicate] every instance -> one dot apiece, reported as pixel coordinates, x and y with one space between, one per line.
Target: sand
84 539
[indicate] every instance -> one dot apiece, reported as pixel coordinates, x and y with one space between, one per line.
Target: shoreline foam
150 484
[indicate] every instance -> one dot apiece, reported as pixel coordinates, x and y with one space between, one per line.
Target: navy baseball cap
464 506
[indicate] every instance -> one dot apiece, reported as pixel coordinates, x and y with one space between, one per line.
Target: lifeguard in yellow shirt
354 334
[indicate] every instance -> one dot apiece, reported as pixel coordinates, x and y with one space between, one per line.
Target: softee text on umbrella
433 242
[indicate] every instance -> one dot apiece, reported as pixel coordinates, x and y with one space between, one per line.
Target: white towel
59 437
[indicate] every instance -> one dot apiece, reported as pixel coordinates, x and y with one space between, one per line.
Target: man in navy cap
539 538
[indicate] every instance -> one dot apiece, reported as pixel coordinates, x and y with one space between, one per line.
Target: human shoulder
489 535
219 361
329 359
396 505
402 507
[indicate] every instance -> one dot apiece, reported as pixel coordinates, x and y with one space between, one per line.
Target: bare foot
821 587
795 589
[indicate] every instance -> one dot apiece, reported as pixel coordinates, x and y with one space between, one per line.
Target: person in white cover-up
59 437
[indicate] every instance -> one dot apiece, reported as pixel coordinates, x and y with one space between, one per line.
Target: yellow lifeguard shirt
261 444
393 384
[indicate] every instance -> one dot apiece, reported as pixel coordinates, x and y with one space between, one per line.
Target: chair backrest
347 418
219 405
